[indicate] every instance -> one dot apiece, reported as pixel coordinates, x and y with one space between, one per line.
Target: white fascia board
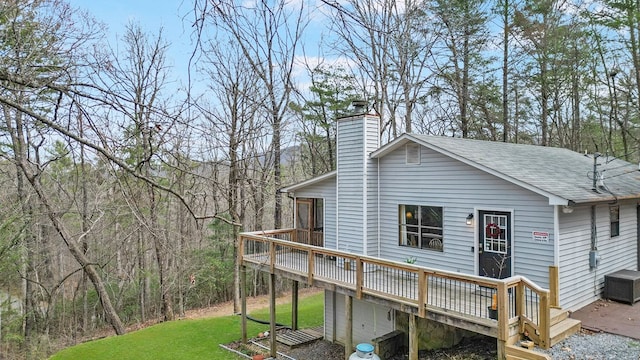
303 184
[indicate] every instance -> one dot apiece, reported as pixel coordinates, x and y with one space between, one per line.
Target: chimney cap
359 105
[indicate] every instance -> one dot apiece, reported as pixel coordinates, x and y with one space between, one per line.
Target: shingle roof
553 172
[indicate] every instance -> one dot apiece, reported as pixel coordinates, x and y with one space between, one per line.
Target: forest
123 190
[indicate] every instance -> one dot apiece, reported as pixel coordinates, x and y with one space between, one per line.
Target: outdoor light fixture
470 219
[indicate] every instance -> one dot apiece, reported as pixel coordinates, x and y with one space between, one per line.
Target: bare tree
40 41
268 34
233 120
135 78
390 46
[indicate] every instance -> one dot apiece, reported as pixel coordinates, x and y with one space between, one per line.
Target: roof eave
303 184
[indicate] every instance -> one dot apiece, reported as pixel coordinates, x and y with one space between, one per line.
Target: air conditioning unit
623 286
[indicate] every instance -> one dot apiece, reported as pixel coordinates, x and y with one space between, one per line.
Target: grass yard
191 339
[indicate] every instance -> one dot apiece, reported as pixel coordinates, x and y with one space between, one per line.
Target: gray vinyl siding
579 284
350 163
459 189
325 190
370 320
329 309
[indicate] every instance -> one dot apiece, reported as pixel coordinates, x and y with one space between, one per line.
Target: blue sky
173 16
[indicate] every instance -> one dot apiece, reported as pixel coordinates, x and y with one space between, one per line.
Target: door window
495 234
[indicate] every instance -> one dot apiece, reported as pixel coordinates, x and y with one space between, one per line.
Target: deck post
413 337
422 293
294 305
272 310
243 302
503 319
520 305
348 312
554 287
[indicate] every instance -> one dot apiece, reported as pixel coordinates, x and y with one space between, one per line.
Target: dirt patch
477 348
253 303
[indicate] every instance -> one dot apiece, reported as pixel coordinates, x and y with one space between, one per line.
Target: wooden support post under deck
294 305
272 310
243 301
348 312
413 338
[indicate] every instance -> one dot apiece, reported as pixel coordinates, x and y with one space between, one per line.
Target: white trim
295 212
337 191
365 191
379 251
556 235
511 212
513 242
476 240
324 221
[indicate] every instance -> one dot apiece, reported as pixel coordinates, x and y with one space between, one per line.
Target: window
420 226
614 218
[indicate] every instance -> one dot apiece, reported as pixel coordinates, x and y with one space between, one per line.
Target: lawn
191 339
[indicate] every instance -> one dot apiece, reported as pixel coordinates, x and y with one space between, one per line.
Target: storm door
494 248
309 221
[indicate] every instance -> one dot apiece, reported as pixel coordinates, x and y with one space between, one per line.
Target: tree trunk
78 254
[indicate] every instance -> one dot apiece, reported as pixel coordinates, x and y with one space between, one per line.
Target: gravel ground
582 346
598 346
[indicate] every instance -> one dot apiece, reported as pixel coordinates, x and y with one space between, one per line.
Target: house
480 215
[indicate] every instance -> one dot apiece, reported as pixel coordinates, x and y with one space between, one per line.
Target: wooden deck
453 298
398 285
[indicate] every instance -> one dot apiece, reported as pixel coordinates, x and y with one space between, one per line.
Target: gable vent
412 152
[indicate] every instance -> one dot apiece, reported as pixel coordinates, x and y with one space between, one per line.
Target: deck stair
564 329
514 352
562 326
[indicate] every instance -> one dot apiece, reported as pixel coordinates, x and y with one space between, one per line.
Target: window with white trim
420 226
614 218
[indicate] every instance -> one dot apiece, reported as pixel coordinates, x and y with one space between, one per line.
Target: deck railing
470 297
